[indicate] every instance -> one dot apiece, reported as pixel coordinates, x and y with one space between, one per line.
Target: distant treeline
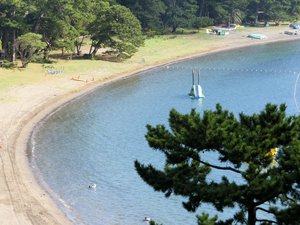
119 25
171 14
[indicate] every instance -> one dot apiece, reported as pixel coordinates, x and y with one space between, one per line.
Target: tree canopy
149 12
117 28
257 157
28 45
64 24
171 14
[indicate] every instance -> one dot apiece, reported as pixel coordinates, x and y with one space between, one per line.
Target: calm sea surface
96 138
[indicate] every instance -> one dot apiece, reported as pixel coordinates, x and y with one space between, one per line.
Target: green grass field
156 50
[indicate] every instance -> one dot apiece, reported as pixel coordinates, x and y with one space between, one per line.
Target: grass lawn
156 50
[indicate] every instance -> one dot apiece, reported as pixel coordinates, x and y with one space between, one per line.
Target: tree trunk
22 58
174 29
91 48
94 52
251 215
96 47
201 9
13 41
13 47
256 16
5 46
46 53
46 50
38 24
256 19
25 64
78 46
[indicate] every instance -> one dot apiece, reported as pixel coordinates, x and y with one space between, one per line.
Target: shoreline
25 200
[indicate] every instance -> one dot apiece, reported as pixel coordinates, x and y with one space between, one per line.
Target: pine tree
12 15
245 149
149 12
180 13
28 45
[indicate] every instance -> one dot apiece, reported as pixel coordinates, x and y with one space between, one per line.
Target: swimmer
146 219
92 186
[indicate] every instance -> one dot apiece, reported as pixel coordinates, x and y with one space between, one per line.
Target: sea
95 138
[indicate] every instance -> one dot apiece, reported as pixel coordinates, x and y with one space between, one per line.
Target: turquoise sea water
97 137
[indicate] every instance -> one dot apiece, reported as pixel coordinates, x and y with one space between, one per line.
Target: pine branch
220 167
267 199
290 199
265 220
262 209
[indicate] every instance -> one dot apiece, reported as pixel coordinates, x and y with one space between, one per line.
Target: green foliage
180 13
11 23
59 21
204 219
7 65
28 45
117 28
67 45
149 12
152 222
289 216
65 24
203 22
243 147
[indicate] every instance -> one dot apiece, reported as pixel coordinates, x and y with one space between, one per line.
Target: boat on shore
257 36
291 32
77 78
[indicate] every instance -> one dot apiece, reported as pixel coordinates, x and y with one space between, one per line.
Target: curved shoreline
28 202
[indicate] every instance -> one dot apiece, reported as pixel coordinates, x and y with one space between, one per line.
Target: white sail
195 91
199 88
200 92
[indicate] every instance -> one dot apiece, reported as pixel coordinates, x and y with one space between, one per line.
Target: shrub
8 65
203 22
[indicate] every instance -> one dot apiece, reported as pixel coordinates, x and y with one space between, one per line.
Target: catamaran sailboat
196 90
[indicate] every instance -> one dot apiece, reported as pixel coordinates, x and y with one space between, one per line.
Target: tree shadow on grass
102 57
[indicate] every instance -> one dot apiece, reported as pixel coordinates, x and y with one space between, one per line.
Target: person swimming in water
147 220
92 186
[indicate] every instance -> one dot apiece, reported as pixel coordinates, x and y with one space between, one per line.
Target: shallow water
96 138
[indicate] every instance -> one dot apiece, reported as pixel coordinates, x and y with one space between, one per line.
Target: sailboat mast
193 77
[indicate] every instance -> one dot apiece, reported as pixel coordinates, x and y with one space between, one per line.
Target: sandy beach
22 200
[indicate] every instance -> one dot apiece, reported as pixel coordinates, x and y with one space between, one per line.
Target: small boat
291 32
83 80
78 79
196 91
257 36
